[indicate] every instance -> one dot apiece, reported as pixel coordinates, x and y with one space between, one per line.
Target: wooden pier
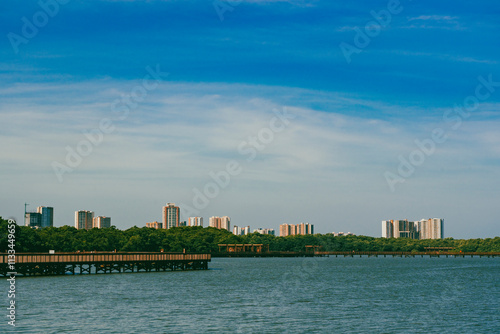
354 254
409 254
31 264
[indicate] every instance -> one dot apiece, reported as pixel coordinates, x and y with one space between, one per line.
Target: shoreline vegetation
206 240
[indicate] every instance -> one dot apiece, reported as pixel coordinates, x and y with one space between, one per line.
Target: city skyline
337 113
431 228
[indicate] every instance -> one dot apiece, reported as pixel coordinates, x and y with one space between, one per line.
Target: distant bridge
30 264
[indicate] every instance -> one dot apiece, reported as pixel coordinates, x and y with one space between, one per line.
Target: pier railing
101 257
410 254
28 264
355 253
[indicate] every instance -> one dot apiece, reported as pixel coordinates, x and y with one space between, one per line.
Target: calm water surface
271 295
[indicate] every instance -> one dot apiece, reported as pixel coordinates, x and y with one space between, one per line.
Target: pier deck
355 253
409 254
30 264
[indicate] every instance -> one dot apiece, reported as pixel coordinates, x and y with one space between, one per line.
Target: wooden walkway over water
355 253
409 254
29 264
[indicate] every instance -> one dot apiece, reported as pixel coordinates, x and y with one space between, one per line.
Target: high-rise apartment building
214 222
47 219
404 229
432 228
303 229
171 216
299 229
437 228
195 221
220 222
101 222
241 230
225 223
285 230
423 229
387 230
84 219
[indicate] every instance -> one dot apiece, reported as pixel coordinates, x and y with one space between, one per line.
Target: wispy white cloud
433 18
445 22
181 132
443 56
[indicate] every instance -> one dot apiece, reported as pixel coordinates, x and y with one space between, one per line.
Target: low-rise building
102 222
155 224
269 231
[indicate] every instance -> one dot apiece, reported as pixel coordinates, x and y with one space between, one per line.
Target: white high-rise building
422 229
436 227
387 230
195 221
241 230
236 230
246 230
225 223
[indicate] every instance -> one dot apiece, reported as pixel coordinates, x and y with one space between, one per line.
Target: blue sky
227 79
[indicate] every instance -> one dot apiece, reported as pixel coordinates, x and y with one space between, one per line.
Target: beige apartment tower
299 229
101 222
220 222
84 220
195 221
171 215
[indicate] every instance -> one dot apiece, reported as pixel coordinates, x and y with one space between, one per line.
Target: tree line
205 240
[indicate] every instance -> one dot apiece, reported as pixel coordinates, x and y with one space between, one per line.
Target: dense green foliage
198 239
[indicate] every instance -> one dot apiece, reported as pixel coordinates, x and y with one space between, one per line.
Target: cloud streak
184 131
